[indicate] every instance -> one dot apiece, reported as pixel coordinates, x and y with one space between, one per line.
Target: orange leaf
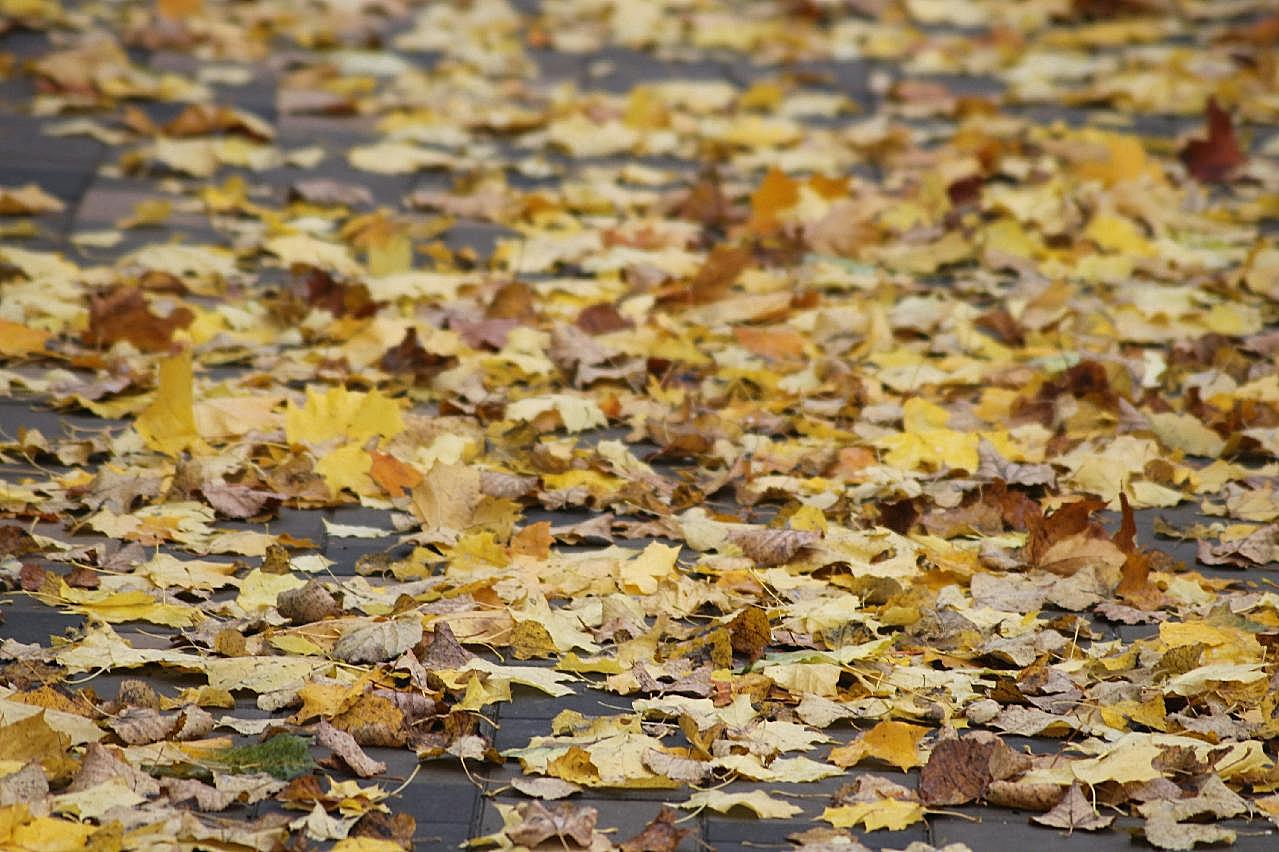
18 340
776 193
534 540
393 474
717 275
176 10
776 343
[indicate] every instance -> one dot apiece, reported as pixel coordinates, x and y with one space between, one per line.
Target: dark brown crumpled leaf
660 835
307 604
124 314
1212 160
750 632
962 768
399 828
410 359
15 541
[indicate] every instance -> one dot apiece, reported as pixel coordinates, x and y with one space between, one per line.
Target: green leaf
284 756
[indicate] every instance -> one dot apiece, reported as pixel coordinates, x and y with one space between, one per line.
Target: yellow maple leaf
348 467
340 413
168 423
643 574
892 742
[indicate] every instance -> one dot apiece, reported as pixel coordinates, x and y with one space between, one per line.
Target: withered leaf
1074 811
331 192
660 835
399 828
960 769
545 788
124 314
1211 160
750 632
565 822
373 721
307 604
378 641
142 725
773 546
344 746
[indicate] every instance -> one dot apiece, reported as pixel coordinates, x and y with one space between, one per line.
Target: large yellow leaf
890 814
340 413
168 423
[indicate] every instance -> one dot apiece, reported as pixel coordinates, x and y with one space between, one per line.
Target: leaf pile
820 426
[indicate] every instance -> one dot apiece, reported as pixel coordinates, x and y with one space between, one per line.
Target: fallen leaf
1211 160
757 802
1074 811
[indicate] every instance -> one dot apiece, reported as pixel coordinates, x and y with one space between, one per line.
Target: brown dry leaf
1024 795
399 829
378 641
660 835
206 798
28 784
142 725
750 632
677 768
344 746
565 822
769 547
1163 831
1074 811
713 281
545 788
235 501
124 314
331 192
960 769
446 499
307 604
27 200
1211 160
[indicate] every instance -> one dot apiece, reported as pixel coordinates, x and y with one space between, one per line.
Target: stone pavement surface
454 801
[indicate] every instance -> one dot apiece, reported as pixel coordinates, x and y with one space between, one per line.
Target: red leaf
1211 160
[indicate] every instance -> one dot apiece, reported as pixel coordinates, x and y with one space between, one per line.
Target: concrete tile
528 703
622 819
